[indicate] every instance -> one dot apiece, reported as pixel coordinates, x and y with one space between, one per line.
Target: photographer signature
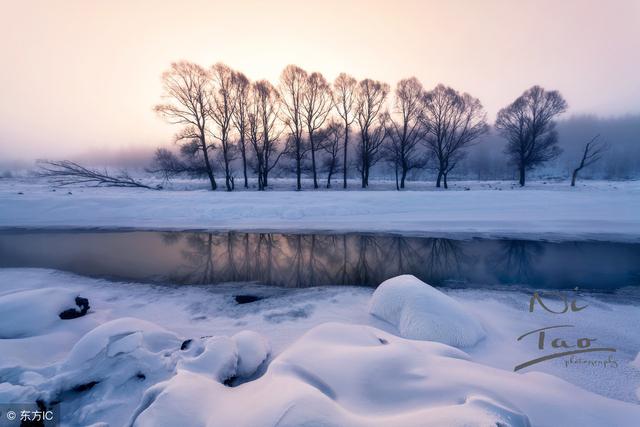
562 347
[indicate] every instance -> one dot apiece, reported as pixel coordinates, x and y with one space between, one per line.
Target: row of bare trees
308 121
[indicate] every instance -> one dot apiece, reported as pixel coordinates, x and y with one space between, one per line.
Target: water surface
302 260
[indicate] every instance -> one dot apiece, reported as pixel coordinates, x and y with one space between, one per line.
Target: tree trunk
298 168
244 163
227 174
439 178
212 179
313 161
522 176
344 164
366 177
396 170
444 175
574 176
403 177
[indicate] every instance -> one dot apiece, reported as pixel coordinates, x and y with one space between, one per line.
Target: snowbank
354 375
32 312
117 361
597 210
419 311
185 355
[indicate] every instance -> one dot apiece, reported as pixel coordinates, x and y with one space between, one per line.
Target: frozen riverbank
308 356
595 210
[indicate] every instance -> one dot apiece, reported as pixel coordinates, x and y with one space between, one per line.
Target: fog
80 78
484 160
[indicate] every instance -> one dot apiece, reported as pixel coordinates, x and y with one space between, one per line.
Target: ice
419 311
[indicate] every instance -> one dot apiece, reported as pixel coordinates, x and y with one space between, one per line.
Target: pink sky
80 76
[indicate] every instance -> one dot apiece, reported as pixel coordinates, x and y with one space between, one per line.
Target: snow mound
124 364
253 350
355 375
218 359
421 312
33 312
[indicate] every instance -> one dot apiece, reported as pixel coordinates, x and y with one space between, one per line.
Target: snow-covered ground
552 210
328 360
403 355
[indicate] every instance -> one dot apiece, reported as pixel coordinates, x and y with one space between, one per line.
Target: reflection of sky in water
301 260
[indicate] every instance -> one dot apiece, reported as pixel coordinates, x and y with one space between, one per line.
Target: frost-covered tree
187 91
592 153
344 100
453 122
331 142
263 129
242 88
528 125
293 81
407 129
316 106
372 121
222 110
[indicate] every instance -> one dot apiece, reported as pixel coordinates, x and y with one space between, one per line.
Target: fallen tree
66 172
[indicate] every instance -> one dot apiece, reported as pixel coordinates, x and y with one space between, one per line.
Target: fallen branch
66 172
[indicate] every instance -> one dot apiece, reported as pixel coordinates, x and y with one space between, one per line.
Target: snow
218 359
32 311
253 350
419 311
335 365
553 210
356 375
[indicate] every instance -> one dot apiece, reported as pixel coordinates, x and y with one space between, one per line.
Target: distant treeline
232 129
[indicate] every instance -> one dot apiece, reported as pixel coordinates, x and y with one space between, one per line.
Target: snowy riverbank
328 359
594 210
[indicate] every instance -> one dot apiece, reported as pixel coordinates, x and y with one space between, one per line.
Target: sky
81 77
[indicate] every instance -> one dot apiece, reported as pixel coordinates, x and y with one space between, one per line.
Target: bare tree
528 126
331 143
222 112
344 99
187 88
263 132
169 165
242 93
66 172
293 81
453 121
316 106
370 99
407 128
593 151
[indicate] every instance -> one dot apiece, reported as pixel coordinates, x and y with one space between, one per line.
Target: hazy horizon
82 77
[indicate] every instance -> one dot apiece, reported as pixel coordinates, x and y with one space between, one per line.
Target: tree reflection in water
301 260
514 261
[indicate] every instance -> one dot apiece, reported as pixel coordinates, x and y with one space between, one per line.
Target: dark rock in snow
84 387
246 299
73 313
186 344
